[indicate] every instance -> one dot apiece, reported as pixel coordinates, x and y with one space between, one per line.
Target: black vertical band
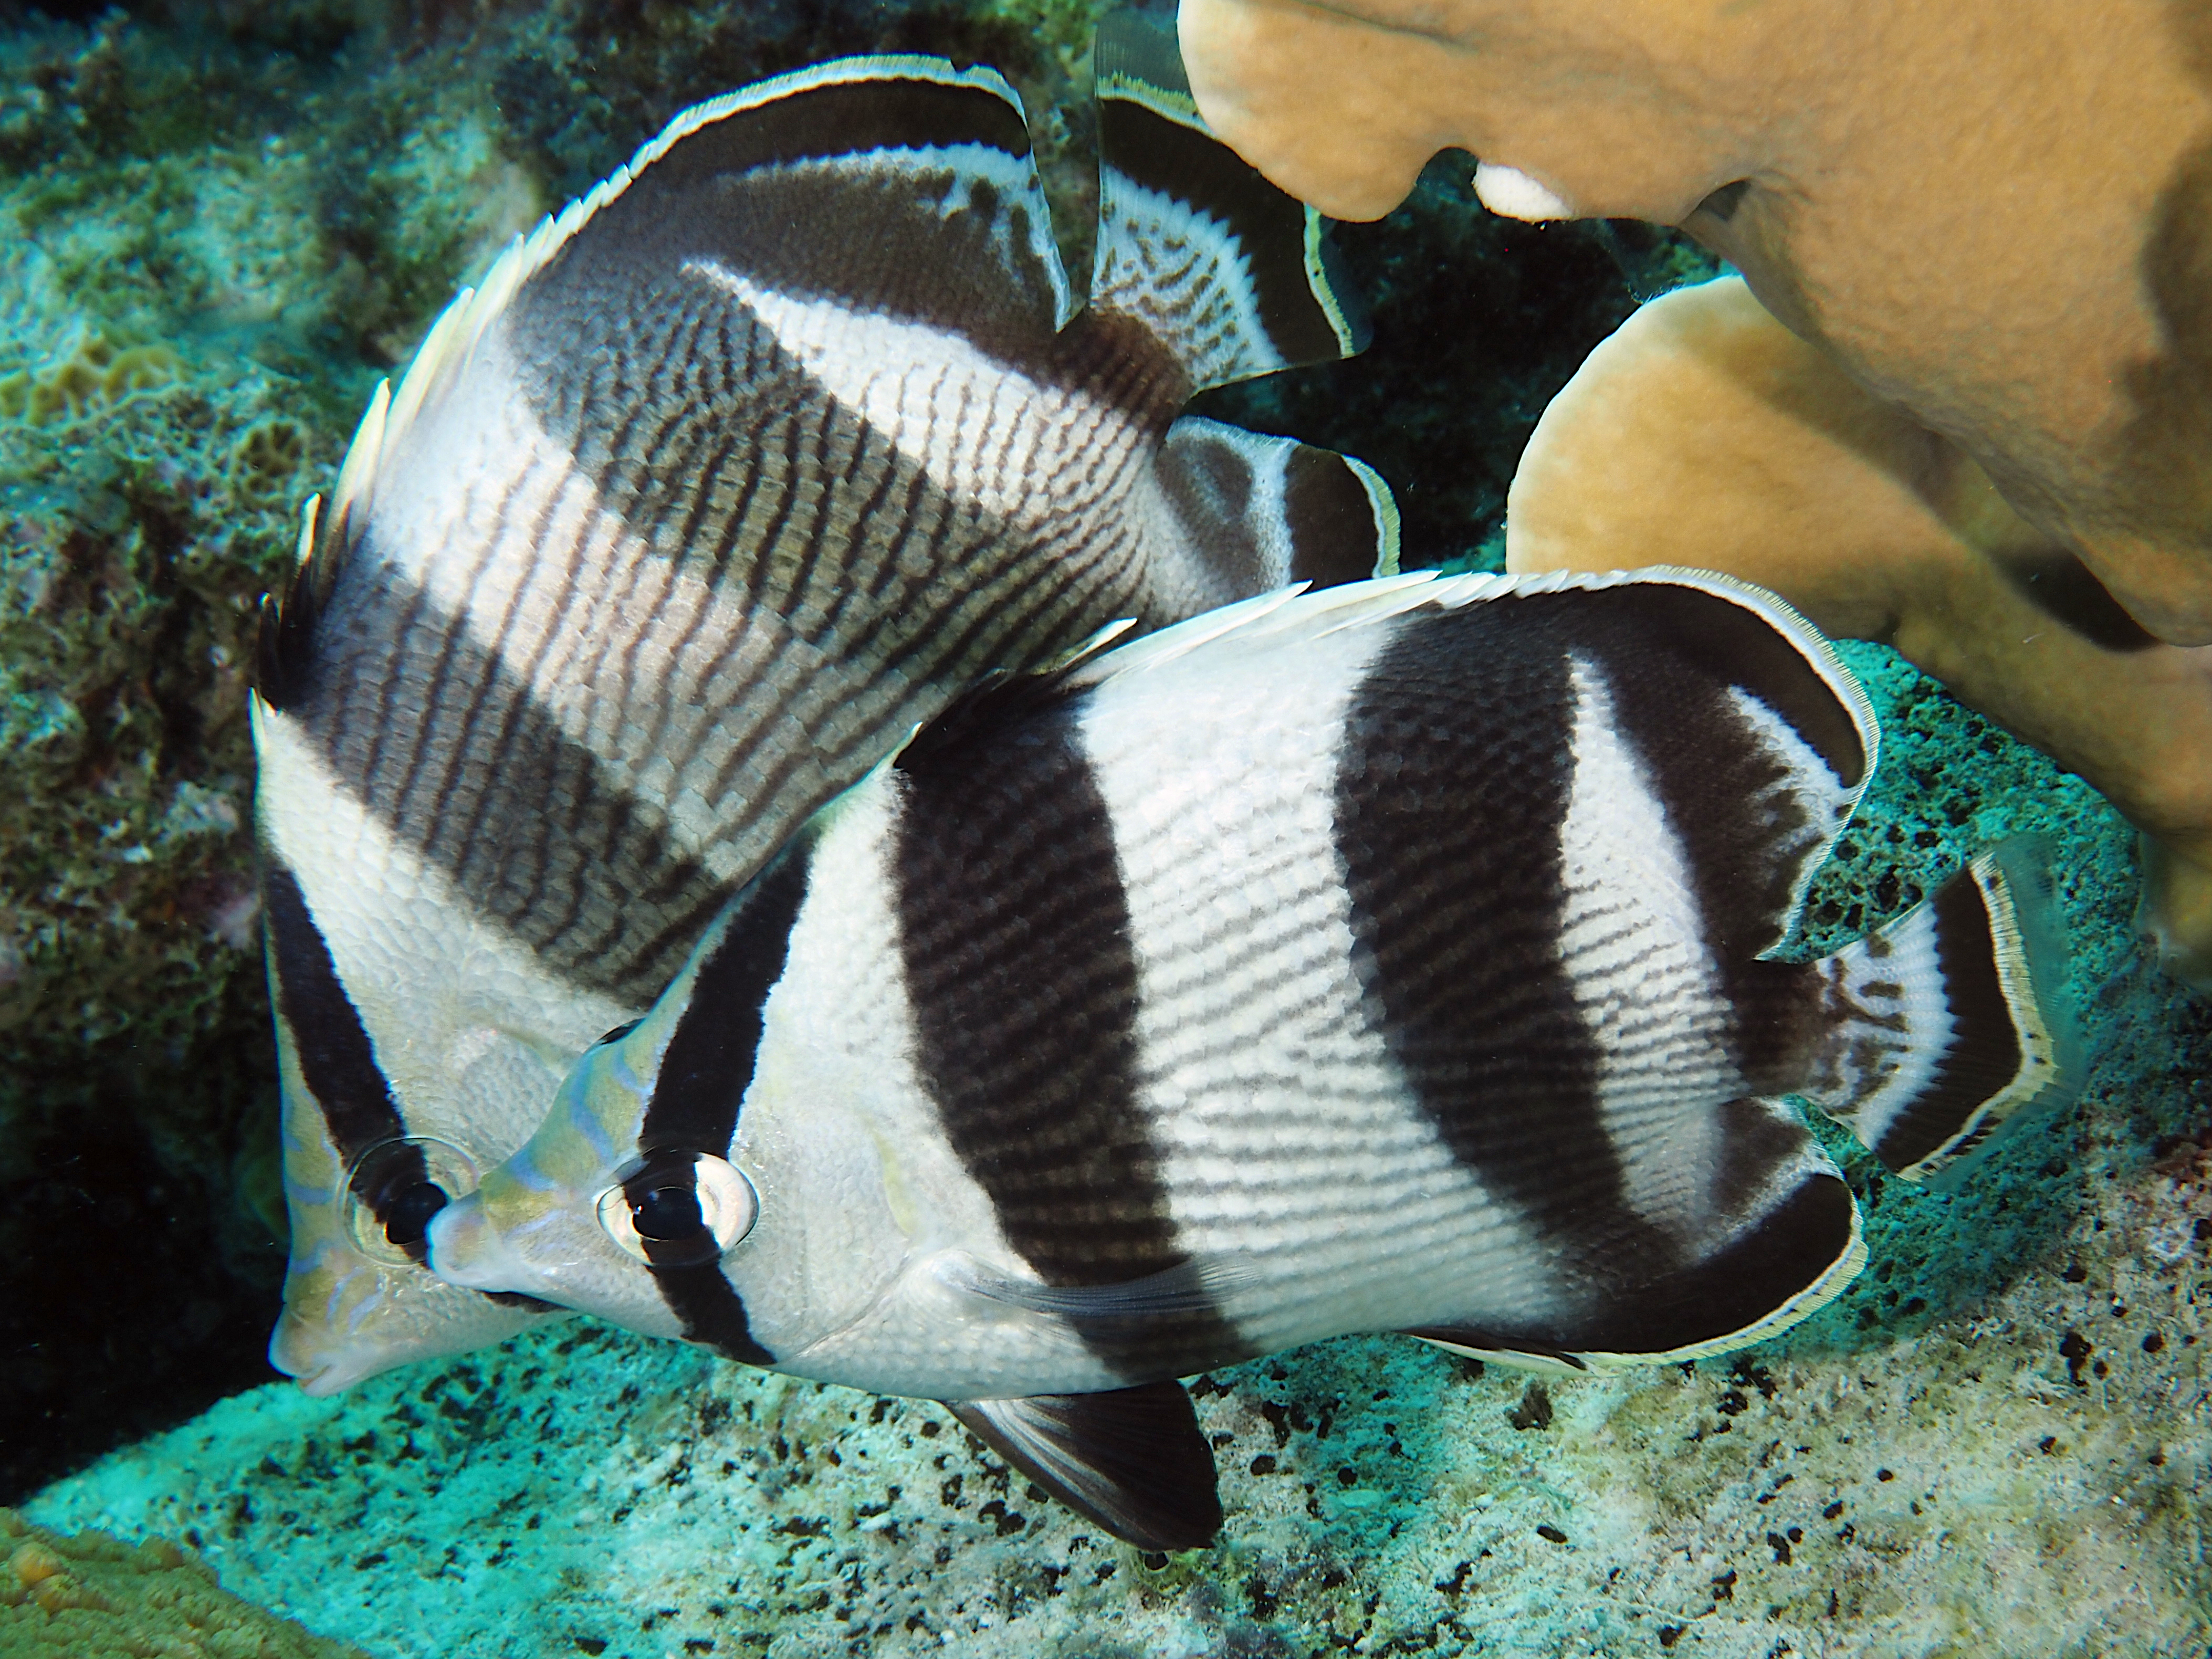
704 1074
1022 977
338 1063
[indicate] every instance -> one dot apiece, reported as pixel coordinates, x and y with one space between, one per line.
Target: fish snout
467 1250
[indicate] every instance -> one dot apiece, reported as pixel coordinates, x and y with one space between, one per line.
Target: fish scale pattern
1291 1143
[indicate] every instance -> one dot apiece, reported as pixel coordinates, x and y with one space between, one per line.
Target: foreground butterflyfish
718 484
1398 957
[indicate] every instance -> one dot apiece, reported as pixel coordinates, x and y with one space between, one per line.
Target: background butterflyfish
720 483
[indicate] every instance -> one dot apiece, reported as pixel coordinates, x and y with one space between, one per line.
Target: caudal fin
1947 1024
1262 511
1234 277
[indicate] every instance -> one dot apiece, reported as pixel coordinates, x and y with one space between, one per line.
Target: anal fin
1132 1460
1263 512
1481 1345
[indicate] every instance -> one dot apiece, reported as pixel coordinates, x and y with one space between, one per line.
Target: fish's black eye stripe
332 1045
336 1058
704 1076
709 1063
711 1310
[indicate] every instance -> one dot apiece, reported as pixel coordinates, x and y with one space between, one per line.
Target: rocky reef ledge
1996 1441
2016 1480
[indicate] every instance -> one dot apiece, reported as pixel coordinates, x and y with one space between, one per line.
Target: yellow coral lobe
1991 216
91 1596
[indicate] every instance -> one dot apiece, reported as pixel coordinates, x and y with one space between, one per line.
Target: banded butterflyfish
1395 957
717 485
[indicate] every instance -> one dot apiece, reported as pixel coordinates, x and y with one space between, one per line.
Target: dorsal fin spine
360 466
310 513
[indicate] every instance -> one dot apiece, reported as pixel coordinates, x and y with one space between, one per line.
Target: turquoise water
224 225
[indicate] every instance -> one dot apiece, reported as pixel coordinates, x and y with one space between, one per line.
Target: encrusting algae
93 377
87 1595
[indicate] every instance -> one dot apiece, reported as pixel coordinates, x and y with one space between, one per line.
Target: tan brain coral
1704 433
1997 215
96 376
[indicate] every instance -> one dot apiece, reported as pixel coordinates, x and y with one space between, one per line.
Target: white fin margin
1806 1303
1295 612
1324 290
1802 1306
1382 505
472 311
2029 957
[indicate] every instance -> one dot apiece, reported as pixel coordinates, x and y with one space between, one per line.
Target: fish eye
680 1209
396 1187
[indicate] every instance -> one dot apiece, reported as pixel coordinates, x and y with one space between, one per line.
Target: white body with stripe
1309 1183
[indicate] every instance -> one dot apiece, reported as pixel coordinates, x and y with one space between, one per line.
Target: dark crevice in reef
1479 321
144 1274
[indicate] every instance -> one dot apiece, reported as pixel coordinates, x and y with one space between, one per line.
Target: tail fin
1233 276
1261 512
1946 1023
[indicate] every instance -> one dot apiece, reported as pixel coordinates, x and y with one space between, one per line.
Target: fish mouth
466 1250
320 1370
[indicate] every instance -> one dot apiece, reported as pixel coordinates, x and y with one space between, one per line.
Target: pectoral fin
1481 1345
1132 1460
1190 1289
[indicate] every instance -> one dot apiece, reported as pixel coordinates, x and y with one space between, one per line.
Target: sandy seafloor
1996 1442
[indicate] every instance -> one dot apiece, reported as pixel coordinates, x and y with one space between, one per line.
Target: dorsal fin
1264 512
1236 278
997 701
1002 699
920 200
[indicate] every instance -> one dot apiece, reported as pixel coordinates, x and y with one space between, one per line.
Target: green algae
90 1596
